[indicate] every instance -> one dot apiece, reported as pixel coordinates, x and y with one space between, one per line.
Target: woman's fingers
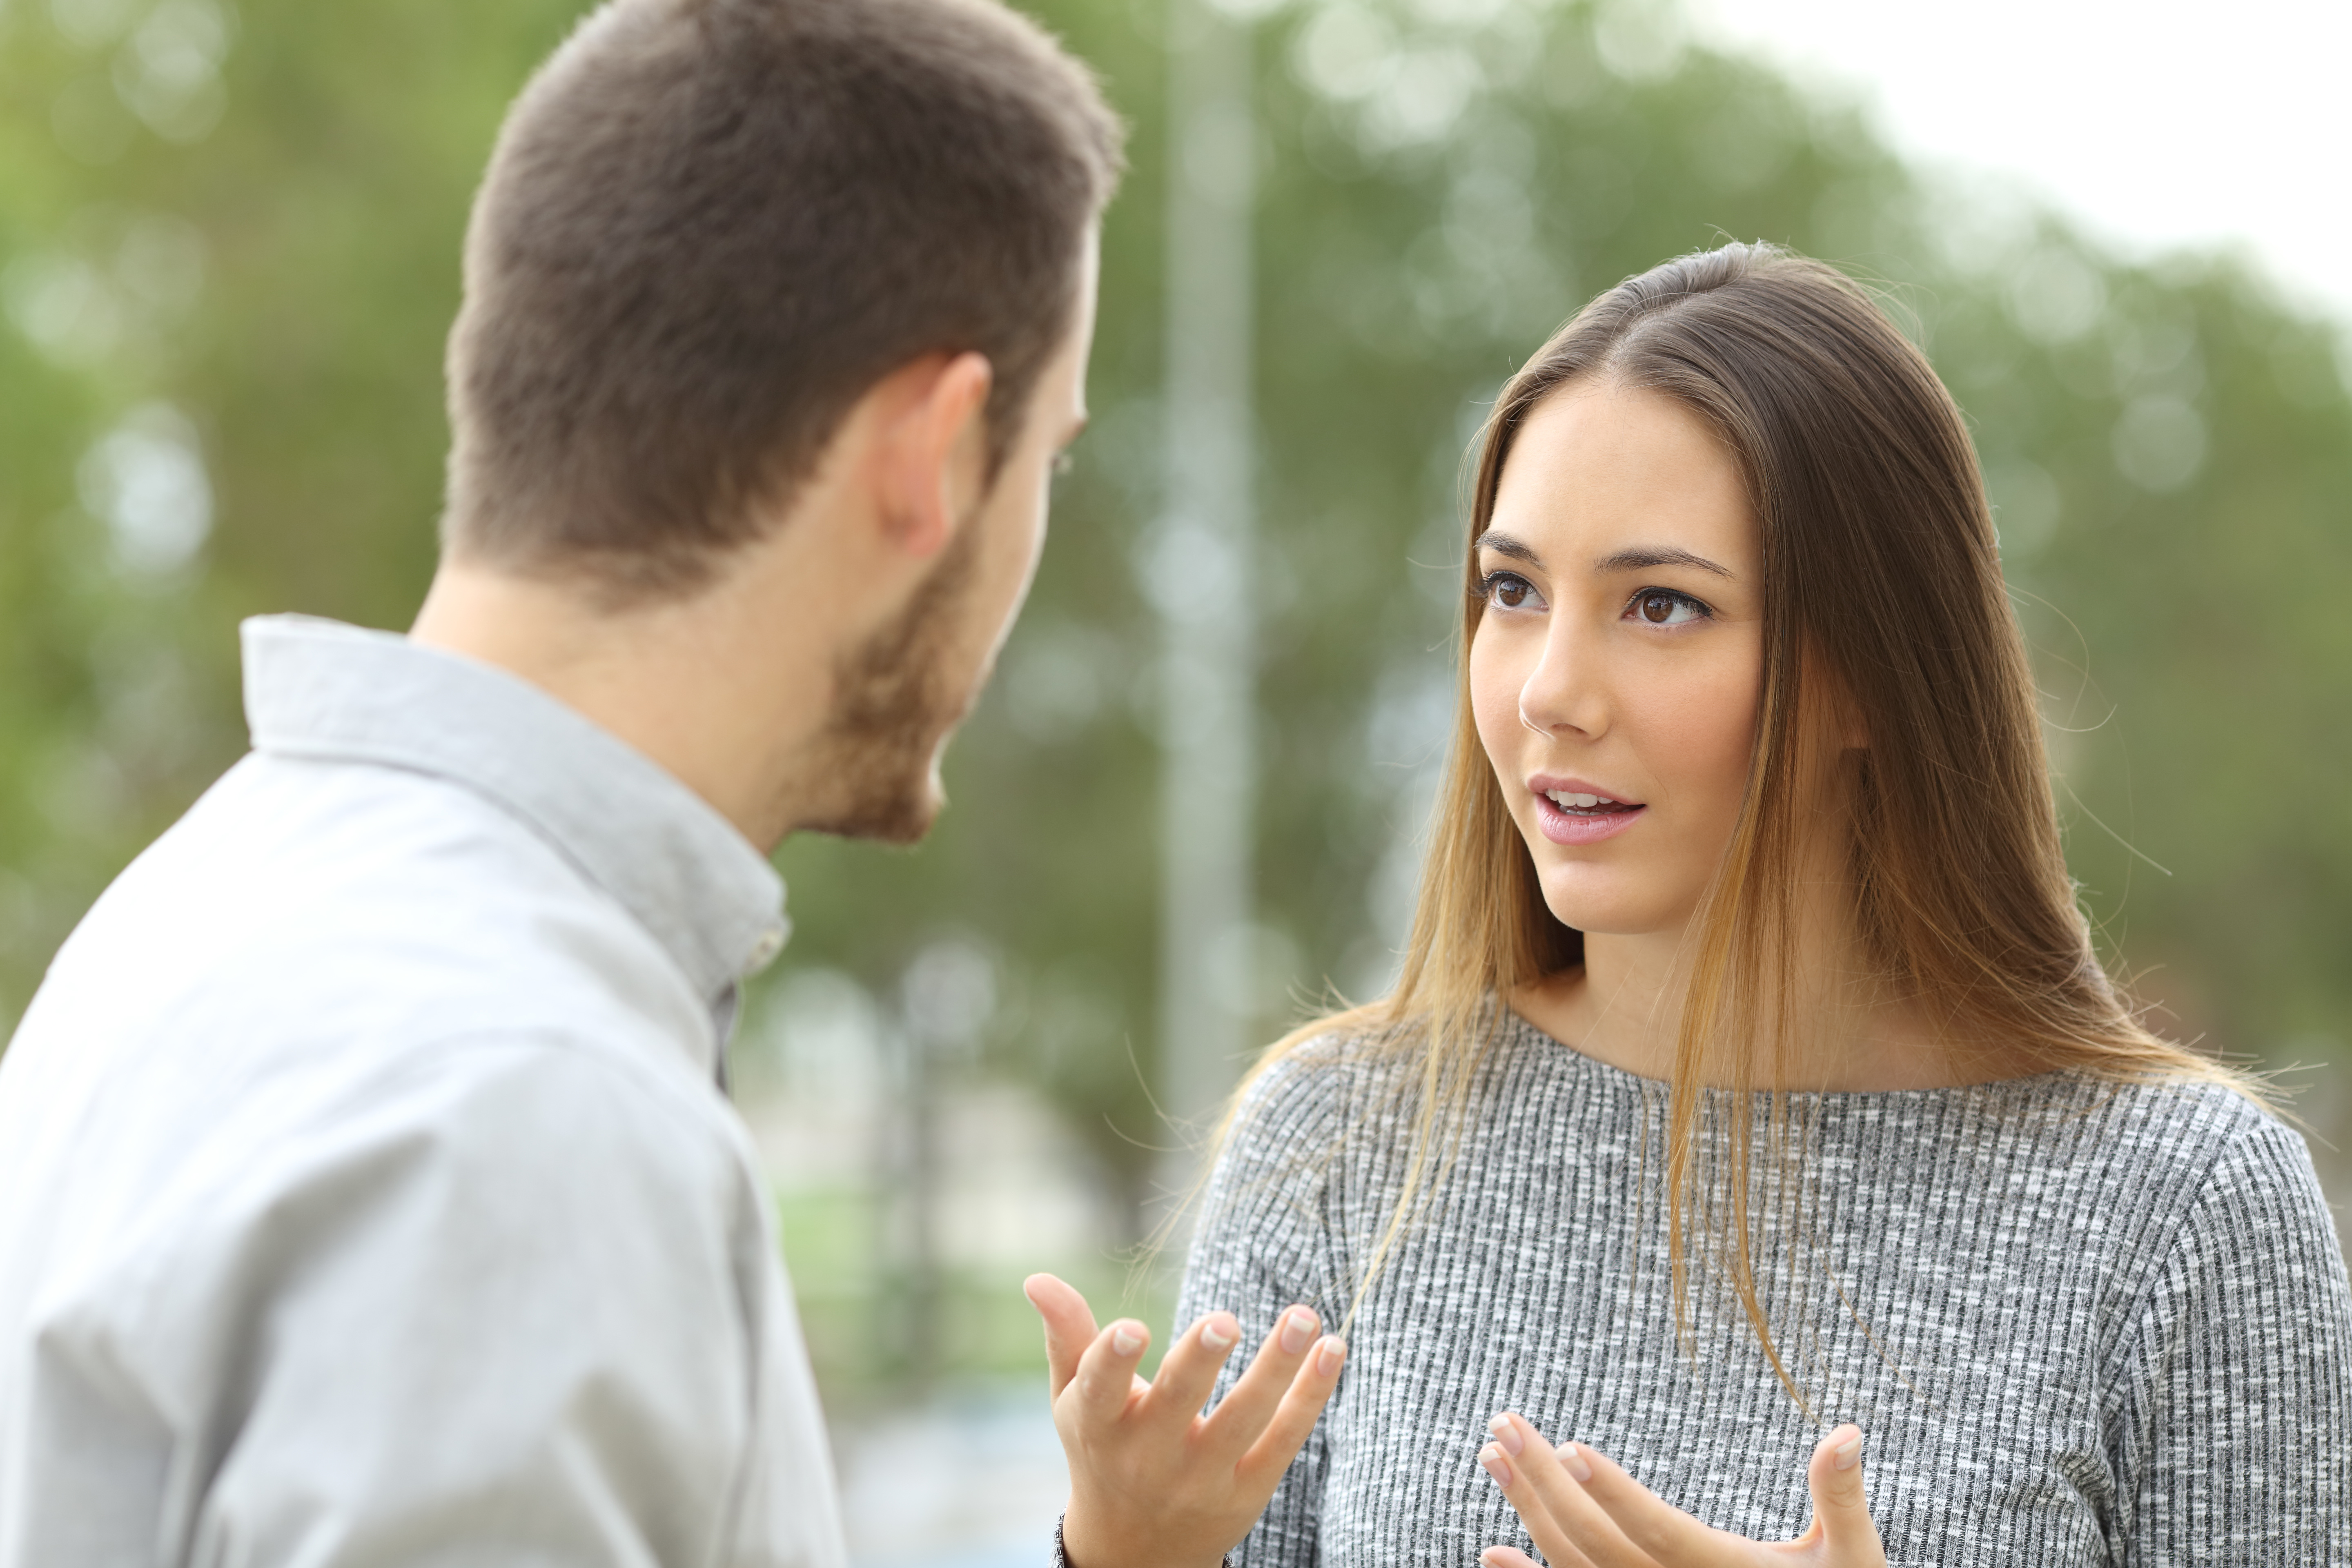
1585 1511
1242 1414
1655 1527
1293 1416
1188 1373
1069 1326
1568 1527
1841 1512
1505 1557
1105 1379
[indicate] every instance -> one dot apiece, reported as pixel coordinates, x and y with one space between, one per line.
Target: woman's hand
1153 1482
1586 1513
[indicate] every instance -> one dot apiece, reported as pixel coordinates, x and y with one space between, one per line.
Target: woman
1752 1085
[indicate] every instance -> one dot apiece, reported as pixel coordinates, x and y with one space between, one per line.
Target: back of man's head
711 226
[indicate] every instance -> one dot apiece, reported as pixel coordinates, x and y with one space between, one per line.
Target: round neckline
1627 1078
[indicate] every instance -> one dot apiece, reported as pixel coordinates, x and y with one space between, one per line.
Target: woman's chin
1596 912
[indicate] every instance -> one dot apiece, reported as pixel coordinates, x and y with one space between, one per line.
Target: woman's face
1616 668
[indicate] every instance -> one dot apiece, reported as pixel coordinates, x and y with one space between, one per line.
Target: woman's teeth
1570 800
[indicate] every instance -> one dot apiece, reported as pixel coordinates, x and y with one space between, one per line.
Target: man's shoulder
361 904
303 956
146 1198
345 839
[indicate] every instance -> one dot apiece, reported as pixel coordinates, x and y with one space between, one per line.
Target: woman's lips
1589 827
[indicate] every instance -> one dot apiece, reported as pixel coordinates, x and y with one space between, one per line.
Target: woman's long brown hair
1882 584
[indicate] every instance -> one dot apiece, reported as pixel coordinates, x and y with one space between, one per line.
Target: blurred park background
228 255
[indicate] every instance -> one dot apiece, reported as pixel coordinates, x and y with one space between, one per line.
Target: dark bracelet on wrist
1062 1556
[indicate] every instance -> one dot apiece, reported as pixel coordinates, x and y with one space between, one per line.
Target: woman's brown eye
1665 608
1509 591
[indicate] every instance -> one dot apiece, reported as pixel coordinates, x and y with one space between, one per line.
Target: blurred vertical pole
1202 565
923 1284
905 1184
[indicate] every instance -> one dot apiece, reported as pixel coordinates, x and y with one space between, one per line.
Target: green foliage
269 291
2170 448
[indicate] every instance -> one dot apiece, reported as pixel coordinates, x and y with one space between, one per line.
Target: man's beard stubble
870 772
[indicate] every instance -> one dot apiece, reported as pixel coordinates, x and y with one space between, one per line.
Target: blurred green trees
228 253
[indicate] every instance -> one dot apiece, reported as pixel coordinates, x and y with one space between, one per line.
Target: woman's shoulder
2173 1126
2183 1120
2231 1242
2184 1145
1328 1071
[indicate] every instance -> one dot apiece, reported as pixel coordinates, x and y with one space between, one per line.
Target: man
367 1189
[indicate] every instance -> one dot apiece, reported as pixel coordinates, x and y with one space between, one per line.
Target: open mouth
1570 811
1578 803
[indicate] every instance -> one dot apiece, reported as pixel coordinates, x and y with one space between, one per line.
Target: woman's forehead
1599 470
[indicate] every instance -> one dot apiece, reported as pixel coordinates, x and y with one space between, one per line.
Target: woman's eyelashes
1665 607
1647 606
1509 591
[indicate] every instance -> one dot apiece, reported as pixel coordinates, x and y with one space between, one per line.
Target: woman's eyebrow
1641 557
1502 544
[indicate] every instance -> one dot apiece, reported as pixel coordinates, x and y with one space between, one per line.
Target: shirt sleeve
2230 1424
1264 1244
502 1317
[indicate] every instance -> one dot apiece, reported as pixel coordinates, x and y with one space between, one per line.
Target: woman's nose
1565 693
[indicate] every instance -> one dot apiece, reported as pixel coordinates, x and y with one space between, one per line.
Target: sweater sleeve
2229 1417
1263 1243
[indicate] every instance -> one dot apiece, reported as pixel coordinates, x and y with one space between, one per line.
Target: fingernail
1506 1434
1334 1352
1848 1454
1572 1456
1298 1327
1125 1341
1216 1335
1491 1460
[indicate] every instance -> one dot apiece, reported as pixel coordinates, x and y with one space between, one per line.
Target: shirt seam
2159 1261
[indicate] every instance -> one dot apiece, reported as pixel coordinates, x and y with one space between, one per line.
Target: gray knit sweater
2079 1323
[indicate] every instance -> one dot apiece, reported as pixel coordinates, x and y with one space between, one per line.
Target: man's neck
715 693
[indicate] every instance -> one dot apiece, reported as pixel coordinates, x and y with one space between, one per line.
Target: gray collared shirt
366 1196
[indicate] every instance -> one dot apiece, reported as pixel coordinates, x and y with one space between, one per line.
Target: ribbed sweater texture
2078 1322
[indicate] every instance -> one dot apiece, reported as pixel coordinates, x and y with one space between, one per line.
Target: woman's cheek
1495 688
1699 732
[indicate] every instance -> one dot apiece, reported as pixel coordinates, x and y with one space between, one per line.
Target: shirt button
764 951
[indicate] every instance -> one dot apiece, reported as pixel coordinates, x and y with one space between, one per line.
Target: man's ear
931 461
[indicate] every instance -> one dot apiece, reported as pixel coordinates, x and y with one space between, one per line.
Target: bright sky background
2157 122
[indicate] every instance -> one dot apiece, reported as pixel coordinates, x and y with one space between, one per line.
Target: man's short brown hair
711 226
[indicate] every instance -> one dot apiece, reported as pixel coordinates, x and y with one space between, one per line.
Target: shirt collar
323 690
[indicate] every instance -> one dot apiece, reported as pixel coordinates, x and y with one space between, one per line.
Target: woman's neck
1624 1007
